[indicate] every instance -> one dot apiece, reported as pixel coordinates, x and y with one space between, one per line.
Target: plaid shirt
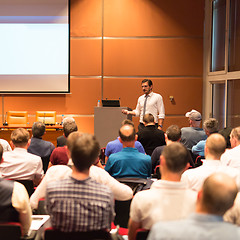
79 206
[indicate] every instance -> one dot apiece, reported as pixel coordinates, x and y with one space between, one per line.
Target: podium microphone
5 120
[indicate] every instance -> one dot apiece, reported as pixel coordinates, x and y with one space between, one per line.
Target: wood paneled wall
117 43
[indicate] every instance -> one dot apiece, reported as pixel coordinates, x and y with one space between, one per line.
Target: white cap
194 115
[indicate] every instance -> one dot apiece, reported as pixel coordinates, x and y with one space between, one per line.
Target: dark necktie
145 103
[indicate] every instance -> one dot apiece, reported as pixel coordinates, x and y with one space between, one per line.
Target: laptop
110 103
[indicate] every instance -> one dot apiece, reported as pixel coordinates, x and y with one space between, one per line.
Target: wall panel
126 57
85 57
86 18
153 18
84 95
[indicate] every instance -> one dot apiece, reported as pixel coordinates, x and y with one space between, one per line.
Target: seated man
5 145
232 156
150 136
116 146
214 148
62 140
14 202
78 203
168 198
214 199
19 164
193 134
59 155
38 146
173 134
128 163
210 126
120 191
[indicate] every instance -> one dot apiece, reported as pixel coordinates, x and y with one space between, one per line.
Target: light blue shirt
199 148
196 227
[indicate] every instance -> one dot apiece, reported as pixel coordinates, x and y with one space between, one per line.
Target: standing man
149 102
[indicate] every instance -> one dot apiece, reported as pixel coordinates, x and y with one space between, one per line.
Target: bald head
127 133
215 146
218 194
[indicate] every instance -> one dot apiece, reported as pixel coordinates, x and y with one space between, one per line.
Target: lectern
107 121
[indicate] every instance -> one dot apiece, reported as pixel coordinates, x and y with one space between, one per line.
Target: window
218 93
218 35
222 65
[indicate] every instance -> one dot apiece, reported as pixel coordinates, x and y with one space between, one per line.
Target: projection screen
34 46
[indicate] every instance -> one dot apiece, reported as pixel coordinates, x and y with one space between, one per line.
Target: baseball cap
194 115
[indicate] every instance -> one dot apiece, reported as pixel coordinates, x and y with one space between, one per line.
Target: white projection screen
34 46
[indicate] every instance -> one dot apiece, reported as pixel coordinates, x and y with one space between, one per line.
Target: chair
157 172
47 117
198 161
17 117
102 156
142 234
10 231
41 210
45 163
51 234
122 209
137 184
28 184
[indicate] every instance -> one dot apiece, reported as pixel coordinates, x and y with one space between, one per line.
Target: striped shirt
79 205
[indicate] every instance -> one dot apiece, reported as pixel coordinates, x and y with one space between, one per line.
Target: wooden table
52 132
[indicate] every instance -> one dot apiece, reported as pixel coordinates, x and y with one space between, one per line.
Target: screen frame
68 81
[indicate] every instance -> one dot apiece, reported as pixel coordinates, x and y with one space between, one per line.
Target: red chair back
10 231
52 234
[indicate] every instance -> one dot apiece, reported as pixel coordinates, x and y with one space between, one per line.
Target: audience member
128 162
150 136
225 132
168 198
19 164
210 126
214 148
72 207
5 145
173 134
193 134
59 155
116 146
62 140
233 214
232 156
214 199
120 191
14 202
40 147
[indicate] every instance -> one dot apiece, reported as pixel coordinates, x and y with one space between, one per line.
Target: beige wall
157 39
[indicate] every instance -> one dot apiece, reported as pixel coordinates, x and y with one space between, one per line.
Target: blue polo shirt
129 163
